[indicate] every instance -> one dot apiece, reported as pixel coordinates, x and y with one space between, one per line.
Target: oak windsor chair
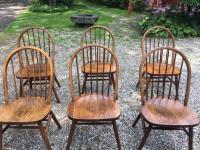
162 37
161 107
99 102
25 107
97 35
41 38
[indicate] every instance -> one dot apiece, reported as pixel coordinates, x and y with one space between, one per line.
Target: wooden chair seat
94 107
33 71
161 69
24 110
166 112
102 67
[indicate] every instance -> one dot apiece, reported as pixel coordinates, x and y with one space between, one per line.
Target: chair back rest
98 35
37 37
15 76
156 37
160 78
99 65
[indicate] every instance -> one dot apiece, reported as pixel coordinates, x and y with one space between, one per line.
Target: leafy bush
180 26
38 7
42 7
191 2
138 5
182 17
67 2
44 2
191 6
188 7
54 2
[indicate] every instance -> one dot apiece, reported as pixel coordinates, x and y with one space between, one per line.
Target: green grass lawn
61 20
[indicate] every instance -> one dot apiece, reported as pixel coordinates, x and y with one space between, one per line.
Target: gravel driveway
8 12
102 137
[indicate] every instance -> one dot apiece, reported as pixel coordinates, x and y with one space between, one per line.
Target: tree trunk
130 7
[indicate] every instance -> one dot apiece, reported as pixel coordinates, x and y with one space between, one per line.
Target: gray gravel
102 137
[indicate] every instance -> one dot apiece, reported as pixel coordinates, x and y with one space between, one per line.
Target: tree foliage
138 5
55 2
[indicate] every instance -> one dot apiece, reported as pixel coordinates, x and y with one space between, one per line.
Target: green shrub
46 2
57 2
42 7
181 26
138 5
191 2
67 2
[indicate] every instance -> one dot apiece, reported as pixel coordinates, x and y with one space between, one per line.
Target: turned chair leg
21 88
190 138
58 83
1 137
116 134
56 95
31 84
113 80
56 120
143 124
136 120
84 83
146 134
5 128
138 83
71 133
44 135
177 87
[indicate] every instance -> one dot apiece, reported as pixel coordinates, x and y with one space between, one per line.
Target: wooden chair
161 108
164 37
97 35
41 38
149 42
99 103
31 110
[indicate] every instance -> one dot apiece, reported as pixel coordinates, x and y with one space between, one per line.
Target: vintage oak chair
156 37
161 108
41 38
31 110
99 103
97 35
